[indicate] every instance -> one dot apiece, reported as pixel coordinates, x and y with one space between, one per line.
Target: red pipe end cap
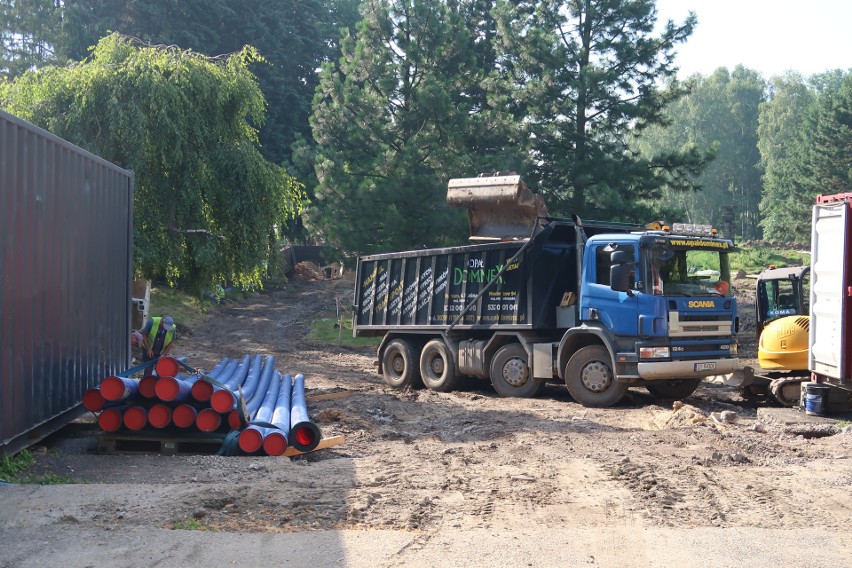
223 401
184 416
112 388
93 400
167 367
148 386
235 421
251 440
202 391
167 388
275 443
135 418
110 420
160 416
208 420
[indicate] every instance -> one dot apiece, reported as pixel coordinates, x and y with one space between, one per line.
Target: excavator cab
782 326
781 292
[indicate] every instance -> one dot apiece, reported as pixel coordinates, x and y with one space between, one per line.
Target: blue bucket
815 397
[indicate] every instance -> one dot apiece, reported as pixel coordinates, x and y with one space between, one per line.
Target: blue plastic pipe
275 442
304 434
251 439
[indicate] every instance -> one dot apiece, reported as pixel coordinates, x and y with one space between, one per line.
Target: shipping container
66 257
831 290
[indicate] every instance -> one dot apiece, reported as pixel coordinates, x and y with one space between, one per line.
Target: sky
769 36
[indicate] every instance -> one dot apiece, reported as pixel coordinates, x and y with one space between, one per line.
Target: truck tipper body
830 357
599 306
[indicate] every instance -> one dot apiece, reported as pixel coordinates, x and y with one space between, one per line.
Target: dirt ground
426 462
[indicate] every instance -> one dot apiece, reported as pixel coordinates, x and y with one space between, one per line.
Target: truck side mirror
619 271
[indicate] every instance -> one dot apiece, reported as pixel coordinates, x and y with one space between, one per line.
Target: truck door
619 311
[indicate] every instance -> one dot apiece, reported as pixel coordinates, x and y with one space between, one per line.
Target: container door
828 289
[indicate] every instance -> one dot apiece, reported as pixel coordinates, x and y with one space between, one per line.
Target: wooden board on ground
329 396
324 443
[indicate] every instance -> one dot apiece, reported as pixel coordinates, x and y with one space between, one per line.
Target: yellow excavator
782 315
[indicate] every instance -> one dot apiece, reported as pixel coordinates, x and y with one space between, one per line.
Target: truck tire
510 373
590 380
674 389
398 365
437 367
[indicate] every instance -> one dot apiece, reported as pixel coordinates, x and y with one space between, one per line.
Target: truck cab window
603 262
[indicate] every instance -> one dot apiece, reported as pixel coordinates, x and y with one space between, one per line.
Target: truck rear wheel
398 365
675 389
511 375
437 367
590 380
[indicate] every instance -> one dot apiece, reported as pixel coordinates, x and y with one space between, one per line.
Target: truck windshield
692 272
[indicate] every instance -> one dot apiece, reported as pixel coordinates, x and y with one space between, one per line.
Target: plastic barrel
816 396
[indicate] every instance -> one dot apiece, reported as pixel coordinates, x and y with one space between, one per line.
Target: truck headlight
653 352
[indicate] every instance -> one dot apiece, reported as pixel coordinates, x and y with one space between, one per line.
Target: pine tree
397 116
585 74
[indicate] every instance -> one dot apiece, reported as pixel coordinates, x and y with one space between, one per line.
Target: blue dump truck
598 306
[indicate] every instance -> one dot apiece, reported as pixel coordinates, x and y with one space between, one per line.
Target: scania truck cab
662 301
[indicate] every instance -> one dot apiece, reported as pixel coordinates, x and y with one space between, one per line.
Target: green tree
719 116
785 203
586 75
206 201
28 30
294 39
394 119
829 142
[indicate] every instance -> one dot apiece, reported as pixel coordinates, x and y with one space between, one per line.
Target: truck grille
696 325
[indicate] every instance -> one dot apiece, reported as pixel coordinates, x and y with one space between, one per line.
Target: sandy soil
427 462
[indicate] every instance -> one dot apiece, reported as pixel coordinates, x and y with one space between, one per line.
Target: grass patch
191 525
754 258
13 469
188 311
12 466
331 331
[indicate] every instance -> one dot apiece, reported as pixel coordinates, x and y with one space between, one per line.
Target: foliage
755 257
585 74
720 115
14 470
829 142
293 37
206 202
27 31
392 119
805 144
12 466
782 152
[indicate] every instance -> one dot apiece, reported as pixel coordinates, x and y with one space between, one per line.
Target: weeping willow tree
207 203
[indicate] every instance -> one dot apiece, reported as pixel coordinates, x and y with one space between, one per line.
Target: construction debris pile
255 408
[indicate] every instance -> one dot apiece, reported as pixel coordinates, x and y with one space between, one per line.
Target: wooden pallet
169 444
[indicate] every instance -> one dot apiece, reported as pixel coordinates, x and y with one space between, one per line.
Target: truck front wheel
590 380
511 375
398 365
437 367
675 389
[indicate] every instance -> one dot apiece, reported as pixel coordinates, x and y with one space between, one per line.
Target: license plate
705 366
